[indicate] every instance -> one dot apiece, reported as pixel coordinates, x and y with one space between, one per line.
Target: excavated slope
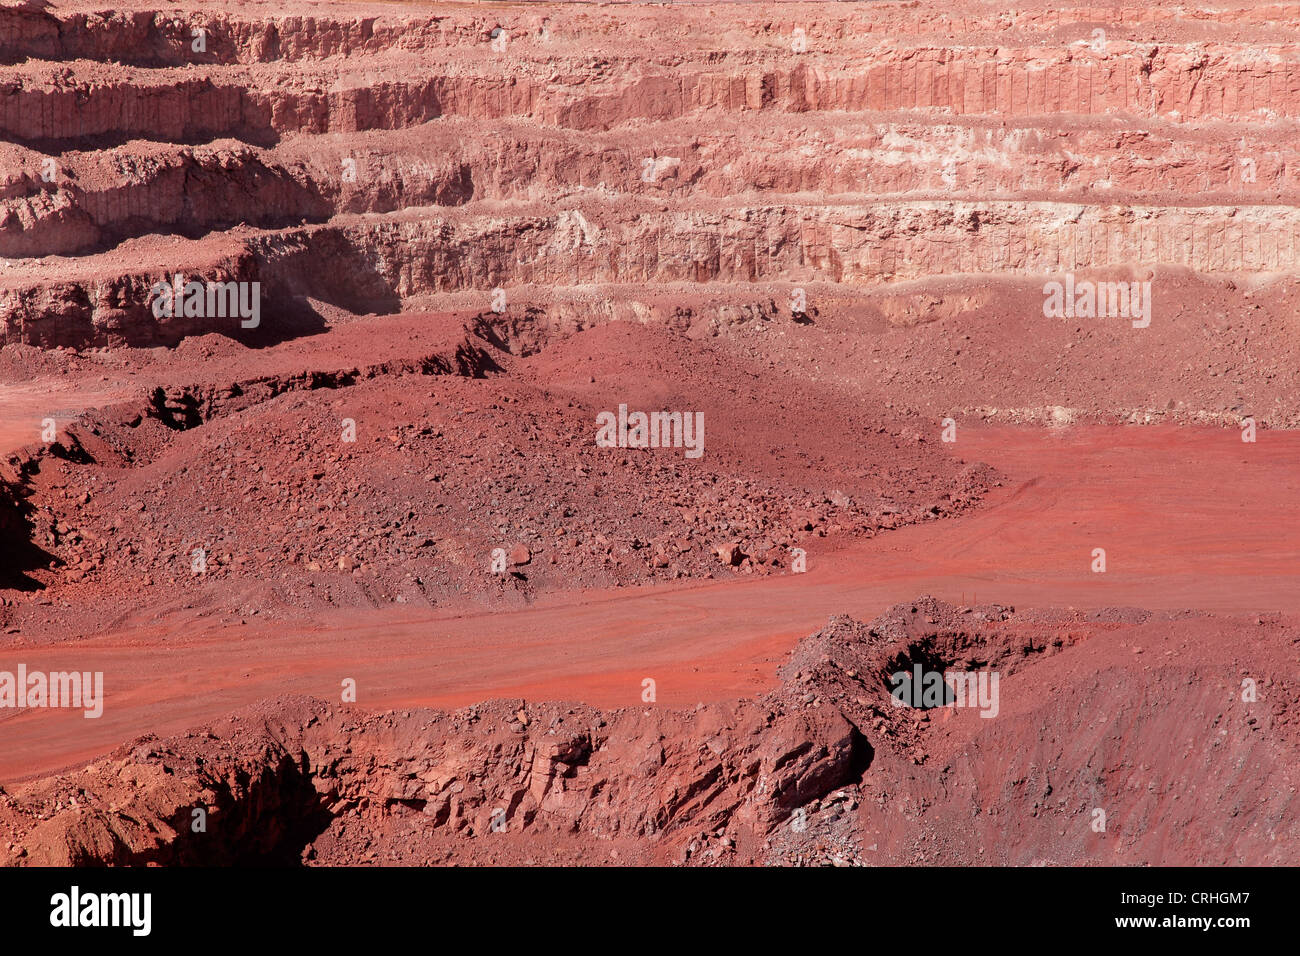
825 769
581 158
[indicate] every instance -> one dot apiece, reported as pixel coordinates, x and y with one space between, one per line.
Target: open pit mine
626 434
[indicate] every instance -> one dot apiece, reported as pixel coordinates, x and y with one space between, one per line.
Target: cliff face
428 154
377 266
278 777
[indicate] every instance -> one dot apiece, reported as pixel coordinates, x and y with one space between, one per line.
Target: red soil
824 769
1158 501
651 189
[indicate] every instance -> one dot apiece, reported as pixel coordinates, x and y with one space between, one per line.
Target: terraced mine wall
378 160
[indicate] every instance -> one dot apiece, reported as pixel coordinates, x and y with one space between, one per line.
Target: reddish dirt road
25 406
1188 518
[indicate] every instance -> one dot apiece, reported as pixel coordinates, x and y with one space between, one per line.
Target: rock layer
539 150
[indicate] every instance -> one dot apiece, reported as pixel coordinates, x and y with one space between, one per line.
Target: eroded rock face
434 155
272 779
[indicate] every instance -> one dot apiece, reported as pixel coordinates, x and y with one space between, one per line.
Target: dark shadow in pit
328 270
860 757
266 822
930 690
20 553
288 318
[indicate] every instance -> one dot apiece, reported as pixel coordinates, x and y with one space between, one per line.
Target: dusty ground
826 228
1137 716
